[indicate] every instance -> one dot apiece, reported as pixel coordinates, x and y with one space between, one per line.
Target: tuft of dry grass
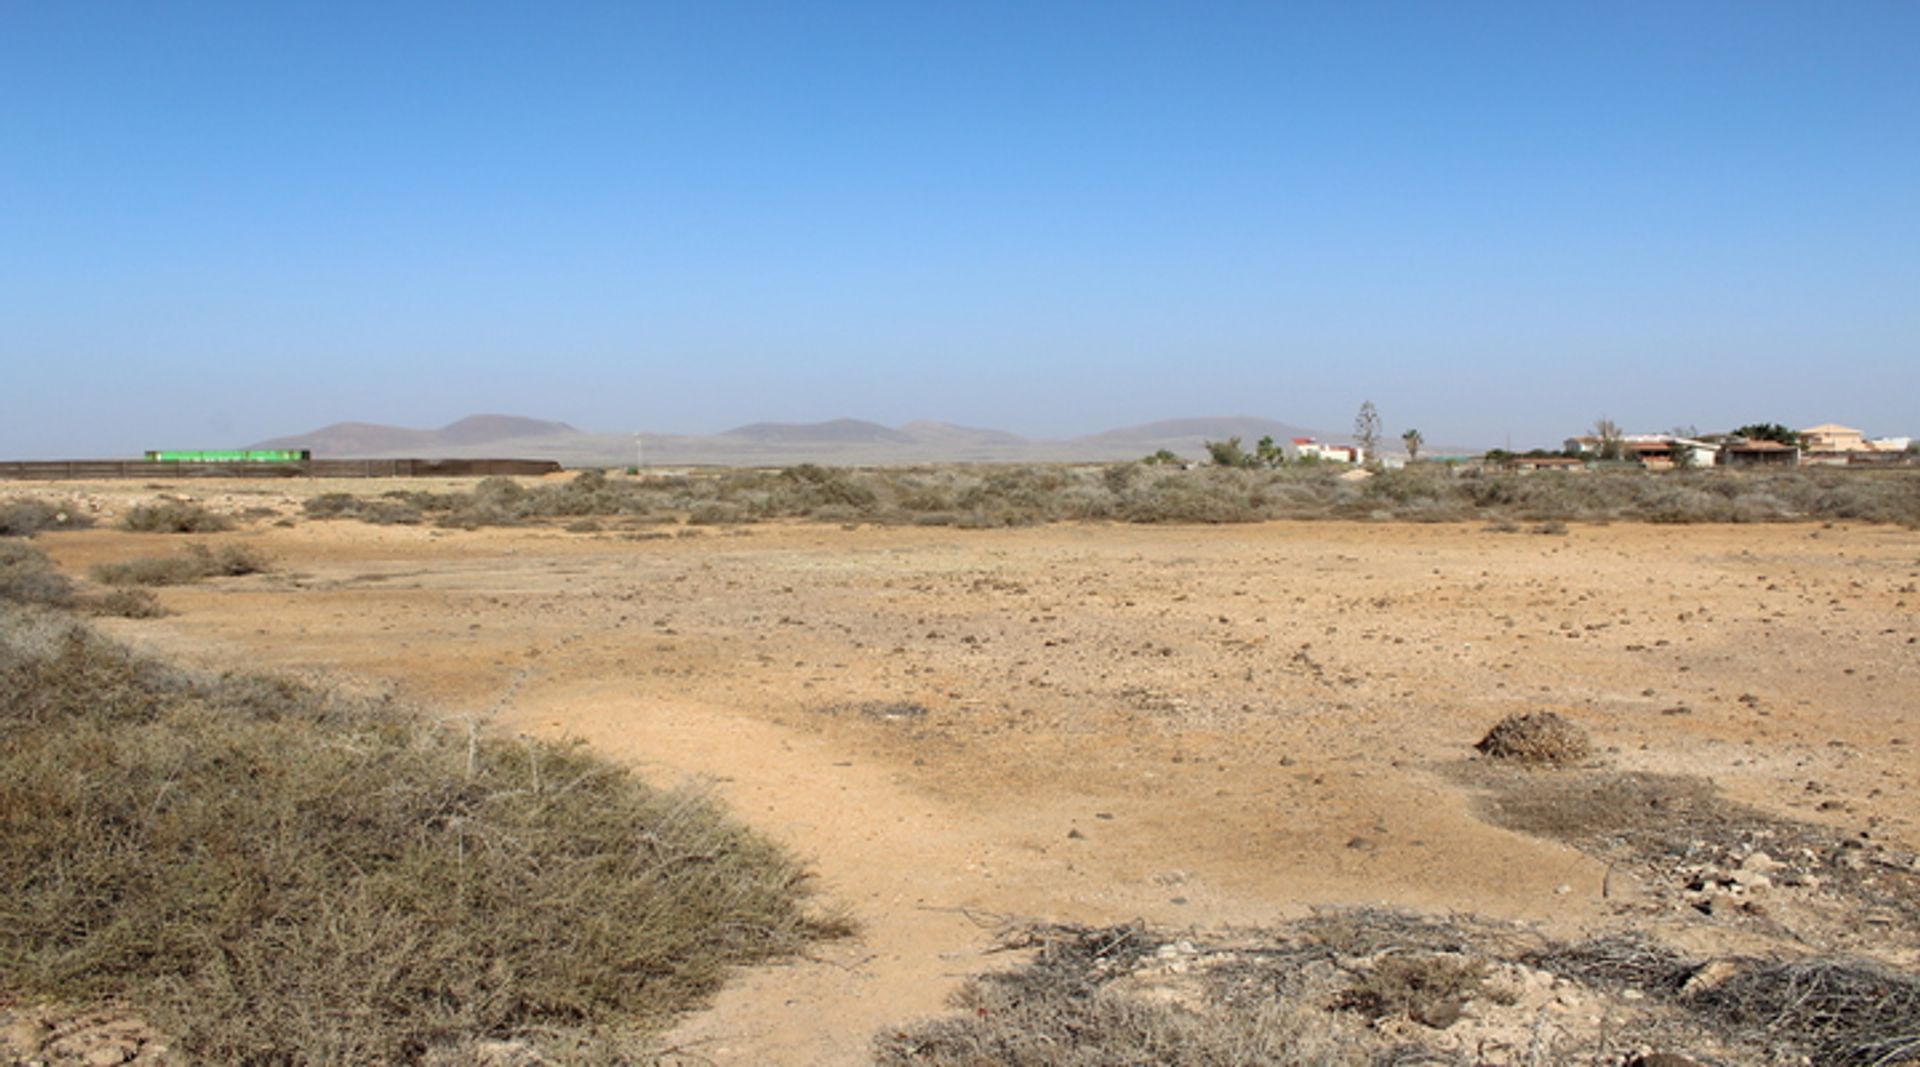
24 516
276 873
1421 986
1540 737
28 577
174 515
195 563
126 603
395 508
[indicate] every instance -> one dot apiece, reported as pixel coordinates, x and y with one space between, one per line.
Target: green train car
264 455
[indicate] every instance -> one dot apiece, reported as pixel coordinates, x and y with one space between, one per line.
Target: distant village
1827 445
1761 445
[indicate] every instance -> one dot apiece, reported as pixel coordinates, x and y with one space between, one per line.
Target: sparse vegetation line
1155 493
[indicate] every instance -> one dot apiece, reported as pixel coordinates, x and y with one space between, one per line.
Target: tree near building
1413 441
1768 431
1612 438
1228 453
1366 431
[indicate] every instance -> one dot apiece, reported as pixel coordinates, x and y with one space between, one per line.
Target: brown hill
374 439
835 431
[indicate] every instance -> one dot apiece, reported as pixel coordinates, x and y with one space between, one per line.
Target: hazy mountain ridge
833 431
367 439
846 441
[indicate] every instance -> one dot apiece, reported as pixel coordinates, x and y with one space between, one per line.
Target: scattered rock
1438 1014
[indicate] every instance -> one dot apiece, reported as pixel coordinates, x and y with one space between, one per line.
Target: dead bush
1540 737
1840 1012
195 563
1316 991
274 873
173 515
28 577
25 516
380 511
1064 1010
1423 987
126 603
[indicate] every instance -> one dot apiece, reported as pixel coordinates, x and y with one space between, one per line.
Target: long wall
100 469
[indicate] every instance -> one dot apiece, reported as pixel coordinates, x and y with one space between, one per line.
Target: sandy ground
1207 727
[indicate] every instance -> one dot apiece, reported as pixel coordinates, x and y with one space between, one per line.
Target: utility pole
639 454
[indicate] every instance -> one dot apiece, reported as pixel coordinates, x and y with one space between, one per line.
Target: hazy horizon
226 223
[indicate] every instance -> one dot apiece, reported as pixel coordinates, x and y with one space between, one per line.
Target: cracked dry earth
1198 727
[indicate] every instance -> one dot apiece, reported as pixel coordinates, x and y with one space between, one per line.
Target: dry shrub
1061 1011
274 873
173 515
1841 1012
28 577
24 516
1537 737
127 603
1676 829
390 509
195 563
1314 991
1103 1029
1419 986
1620 960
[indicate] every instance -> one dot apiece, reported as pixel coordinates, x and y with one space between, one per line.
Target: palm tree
1413 441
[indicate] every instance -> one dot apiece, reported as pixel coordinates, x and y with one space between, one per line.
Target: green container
236 455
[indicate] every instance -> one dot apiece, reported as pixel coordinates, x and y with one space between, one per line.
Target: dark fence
104 469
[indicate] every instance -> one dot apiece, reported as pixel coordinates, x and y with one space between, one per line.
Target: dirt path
1199 727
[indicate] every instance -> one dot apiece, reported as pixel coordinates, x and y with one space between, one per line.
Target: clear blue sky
221 222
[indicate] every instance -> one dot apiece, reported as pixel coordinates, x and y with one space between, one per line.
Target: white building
1306 448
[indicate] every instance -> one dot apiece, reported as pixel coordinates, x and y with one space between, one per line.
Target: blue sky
1498 221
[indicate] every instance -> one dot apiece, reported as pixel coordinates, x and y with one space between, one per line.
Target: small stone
1439 1014
1362 844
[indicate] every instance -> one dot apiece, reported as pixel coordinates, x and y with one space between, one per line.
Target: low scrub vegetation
173 515
1370 986
1150 492
25 516
28 577
195 563
271 872
125 603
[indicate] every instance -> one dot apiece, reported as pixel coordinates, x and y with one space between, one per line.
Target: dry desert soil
1198 727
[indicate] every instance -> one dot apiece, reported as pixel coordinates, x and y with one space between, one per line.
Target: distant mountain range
838 441
356 440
